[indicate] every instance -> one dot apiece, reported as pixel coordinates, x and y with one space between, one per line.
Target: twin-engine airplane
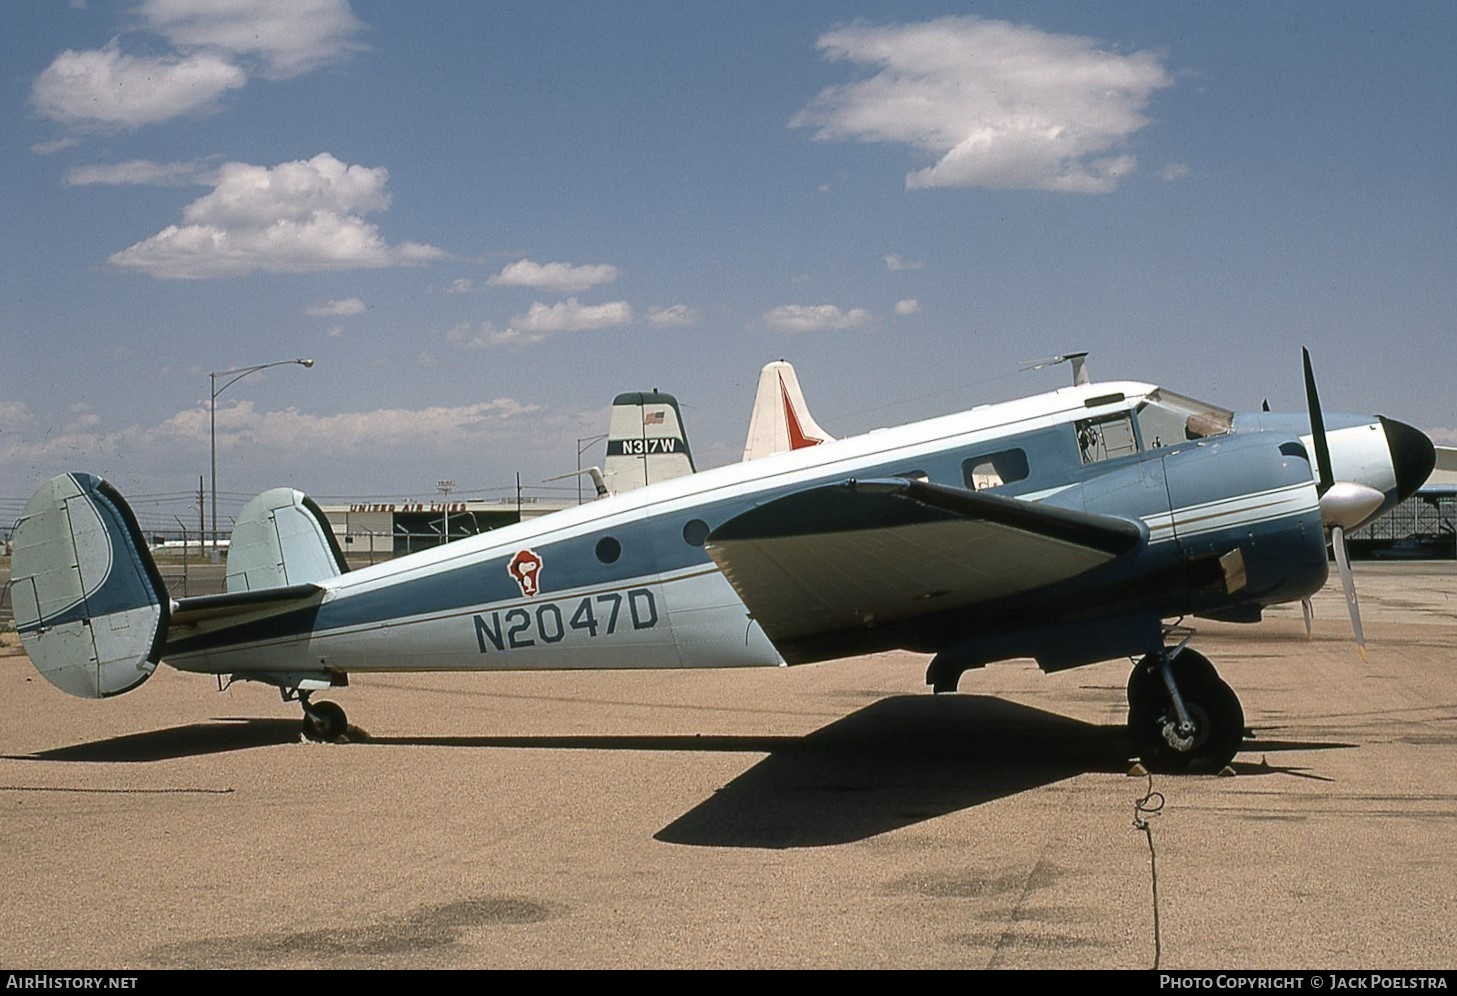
1066 527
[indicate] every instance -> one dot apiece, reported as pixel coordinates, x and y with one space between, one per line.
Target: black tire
1213 707
1146 684
325 721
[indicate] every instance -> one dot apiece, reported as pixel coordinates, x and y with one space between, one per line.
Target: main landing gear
323 721
1181 714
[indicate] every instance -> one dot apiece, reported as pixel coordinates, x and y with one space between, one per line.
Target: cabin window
992 470
695 532
1167 418
1106 437
608 550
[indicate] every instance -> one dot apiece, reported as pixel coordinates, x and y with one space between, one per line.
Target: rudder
90 606
281 538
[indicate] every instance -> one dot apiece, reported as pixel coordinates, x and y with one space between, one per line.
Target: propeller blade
1348 582
1317 428
1308 611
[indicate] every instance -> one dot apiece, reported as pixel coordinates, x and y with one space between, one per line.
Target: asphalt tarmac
830 816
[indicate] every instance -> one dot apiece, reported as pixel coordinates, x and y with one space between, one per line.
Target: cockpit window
1106 437
1167 418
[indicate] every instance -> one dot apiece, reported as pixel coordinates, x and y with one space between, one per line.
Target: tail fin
781 420
90 605
282 538
646 441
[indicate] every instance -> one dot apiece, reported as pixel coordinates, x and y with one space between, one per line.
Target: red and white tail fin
781 420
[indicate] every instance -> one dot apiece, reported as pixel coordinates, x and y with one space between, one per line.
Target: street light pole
445 487
582 443
235 376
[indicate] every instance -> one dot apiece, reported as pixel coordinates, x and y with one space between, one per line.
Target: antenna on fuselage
1078 360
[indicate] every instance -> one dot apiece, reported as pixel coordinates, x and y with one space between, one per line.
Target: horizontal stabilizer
852 556
90 605
188 613
1447 457
282 538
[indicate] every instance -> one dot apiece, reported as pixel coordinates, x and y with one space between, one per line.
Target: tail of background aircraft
646 441
781 420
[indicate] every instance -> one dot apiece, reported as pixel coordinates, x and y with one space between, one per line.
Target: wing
851 556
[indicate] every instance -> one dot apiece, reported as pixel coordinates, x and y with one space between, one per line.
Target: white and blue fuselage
628 581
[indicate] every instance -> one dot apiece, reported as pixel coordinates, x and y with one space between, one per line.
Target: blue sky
483 221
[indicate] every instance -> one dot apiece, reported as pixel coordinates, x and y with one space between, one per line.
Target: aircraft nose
1412 456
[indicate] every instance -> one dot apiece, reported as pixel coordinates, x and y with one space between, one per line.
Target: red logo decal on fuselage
525 569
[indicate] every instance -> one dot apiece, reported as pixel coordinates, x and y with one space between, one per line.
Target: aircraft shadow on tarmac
216 737
903 761
899 761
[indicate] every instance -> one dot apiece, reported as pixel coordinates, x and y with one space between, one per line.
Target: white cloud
295 217
286 37
570 316
485 336
814 318
49 148
215 46
460 285
542 321
908 306
337 308
895 264
1173 171
562 277
673 315
286 431
14 412
136 173
103 87
994 104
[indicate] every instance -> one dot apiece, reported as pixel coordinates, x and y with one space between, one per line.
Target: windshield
1167 418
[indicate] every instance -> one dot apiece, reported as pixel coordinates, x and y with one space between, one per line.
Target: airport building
1420 528
380 530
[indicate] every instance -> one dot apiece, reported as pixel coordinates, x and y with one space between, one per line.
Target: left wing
864 553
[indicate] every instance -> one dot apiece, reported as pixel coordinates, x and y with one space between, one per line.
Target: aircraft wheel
1214 710
325 721
1146 683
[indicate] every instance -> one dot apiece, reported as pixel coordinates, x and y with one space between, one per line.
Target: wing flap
860 554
